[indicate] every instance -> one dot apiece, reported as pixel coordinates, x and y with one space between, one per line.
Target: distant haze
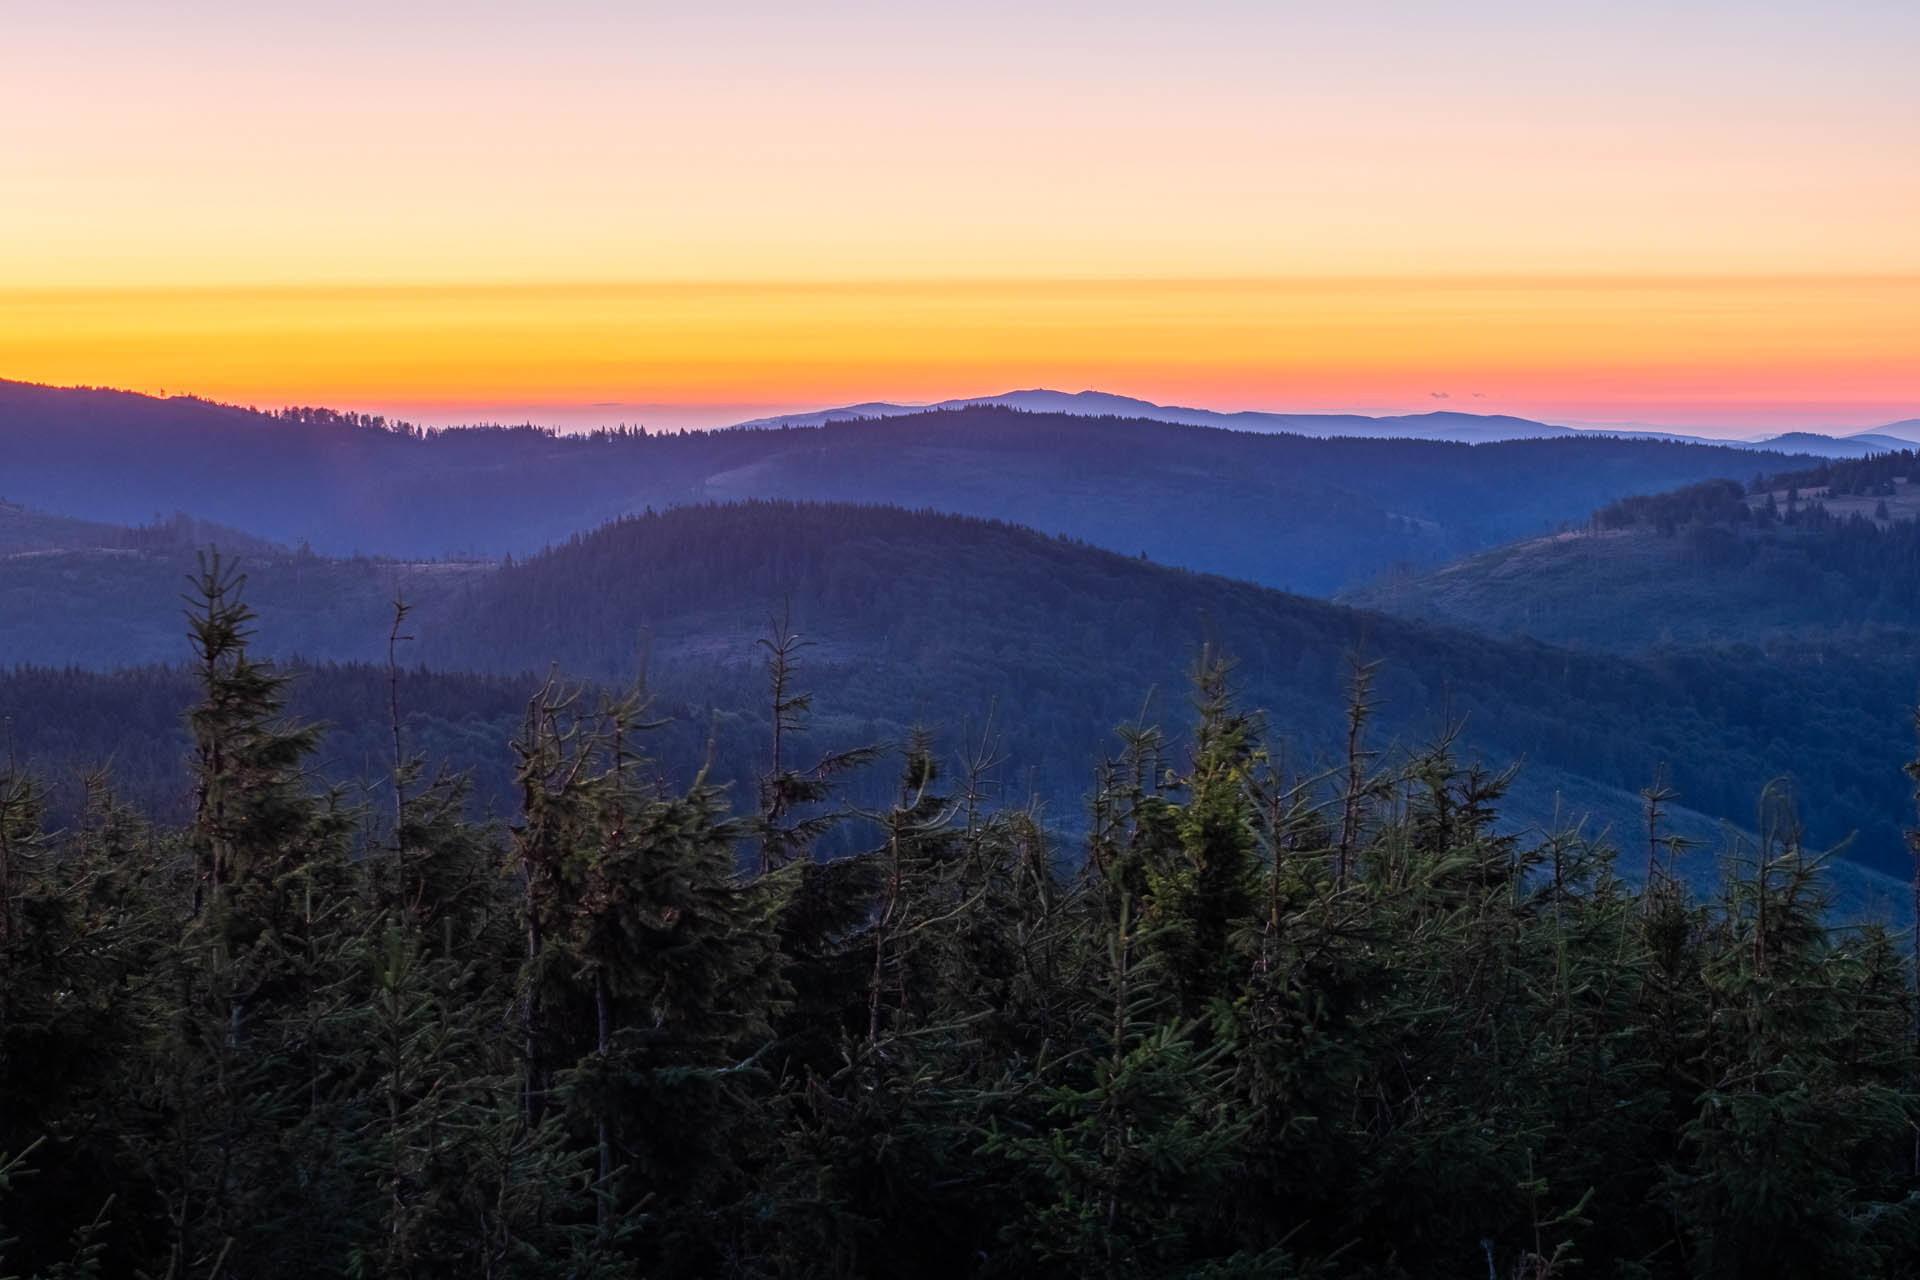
1433 418
586 417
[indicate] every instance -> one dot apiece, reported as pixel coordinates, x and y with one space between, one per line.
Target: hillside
1829 555
1311 515
1907 430
24 530
1857 446
917 609
943 620
1630 590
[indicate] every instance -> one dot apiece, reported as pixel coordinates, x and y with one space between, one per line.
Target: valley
950 622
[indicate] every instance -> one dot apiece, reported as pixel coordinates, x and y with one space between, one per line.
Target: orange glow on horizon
1708 349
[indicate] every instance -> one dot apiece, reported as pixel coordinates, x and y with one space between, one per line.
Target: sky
1692 214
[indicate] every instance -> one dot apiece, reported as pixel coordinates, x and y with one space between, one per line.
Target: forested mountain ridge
1306 514
945 603
1298 513
26 531
23 529
1829 554
1864 444
942 620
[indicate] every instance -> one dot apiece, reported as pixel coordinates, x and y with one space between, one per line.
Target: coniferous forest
1265 1020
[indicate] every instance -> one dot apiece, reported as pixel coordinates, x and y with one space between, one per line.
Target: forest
1264 1021
768 887
918 618
1829 554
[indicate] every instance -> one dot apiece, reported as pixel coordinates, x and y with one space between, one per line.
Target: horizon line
778 409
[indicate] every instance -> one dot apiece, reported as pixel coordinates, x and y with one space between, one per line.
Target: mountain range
916 618
1469 428
1866 443
1081 563
1466 428
1291 511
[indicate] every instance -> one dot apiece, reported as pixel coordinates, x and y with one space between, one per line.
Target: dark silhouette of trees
1269 1021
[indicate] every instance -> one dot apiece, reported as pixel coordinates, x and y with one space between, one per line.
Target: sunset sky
1694 214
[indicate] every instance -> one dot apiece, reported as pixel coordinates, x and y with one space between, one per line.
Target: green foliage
1709 502
1278 1021
1873 474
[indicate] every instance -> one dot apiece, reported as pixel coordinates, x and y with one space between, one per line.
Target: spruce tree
251 999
